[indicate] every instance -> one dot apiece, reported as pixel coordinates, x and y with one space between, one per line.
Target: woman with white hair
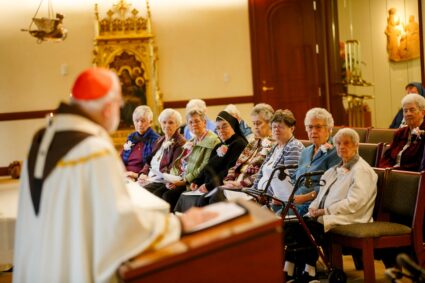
166 150
347 197
200 105
407 147
320 155
140 143
195 155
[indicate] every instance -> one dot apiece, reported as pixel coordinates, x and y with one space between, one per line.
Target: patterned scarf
188 148
147 139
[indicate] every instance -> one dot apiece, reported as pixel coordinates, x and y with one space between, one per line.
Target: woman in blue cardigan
320 155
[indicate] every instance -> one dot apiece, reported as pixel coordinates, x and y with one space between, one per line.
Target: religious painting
124 43
133 84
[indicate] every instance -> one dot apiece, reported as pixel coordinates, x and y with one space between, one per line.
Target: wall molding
12 116
212 101
4 171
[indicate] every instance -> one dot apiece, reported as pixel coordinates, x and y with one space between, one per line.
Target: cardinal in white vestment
75 221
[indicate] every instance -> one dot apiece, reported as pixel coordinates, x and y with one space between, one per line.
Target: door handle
267 88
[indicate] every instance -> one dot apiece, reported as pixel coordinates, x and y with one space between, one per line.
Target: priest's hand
195 216
143 179
131 175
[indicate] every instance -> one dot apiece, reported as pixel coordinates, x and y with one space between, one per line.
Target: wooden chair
335 129
402 197
371 152
363 132
376 135
306 142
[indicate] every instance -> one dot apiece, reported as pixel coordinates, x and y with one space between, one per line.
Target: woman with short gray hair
139 144
407 147
347 132
169 113
417 99
200 105
347 196
263 111
166 150
320 114
320 155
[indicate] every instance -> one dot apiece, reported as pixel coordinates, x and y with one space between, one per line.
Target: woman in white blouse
166 149
347 196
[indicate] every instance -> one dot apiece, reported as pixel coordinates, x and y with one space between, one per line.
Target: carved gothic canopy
125 44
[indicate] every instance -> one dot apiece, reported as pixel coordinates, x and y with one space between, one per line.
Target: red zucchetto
92 84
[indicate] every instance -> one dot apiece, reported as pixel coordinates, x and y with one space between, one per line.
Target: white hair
321 114
196 103
233 110
347 132
142 111
167 113
196 111
265 111
414 98
96 105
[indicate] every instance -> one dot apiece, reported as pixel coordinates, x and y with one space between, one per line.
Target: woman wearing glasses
321 155
223 156
407 147
286 152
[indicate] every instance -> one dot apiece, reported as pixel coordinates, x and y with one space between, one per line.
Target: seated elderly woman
139 143
347 196
198 104
166 150
222 158
195 155
320 155
245 129
246 168
407 147
287 151
413 87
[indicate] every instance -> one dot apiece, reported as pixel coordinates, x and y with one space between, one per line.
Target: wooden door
288 66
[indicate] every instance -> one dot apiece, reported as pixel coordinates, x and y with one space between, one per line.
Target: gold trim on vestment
84 159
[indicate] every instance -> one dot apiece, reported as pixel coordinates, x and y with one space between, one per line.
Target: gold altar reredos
124 43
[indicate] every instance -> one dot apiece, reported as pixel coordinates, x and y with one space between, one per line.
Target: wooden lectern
246 249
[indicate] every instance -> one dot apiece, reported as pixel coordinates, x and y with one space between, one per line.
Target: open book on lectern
226 211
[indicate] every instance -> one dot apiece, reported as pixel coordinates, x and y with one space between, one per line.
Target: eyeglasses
224 127
278 127
257 123
412 110
316 127
194 122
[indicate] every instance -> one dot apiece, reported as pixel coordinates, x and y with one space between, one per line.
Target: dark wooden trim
4 171
212 101
421 41
11 116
